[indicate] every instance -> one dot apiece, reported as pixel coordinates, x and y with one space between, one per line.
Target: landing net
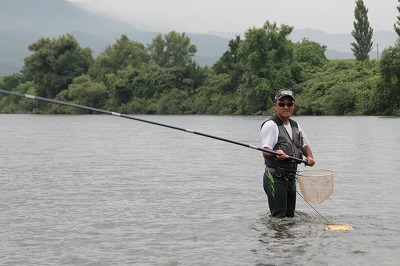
316 185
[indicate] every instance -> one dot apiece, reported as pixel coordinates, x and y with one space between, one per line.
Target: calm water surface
102 190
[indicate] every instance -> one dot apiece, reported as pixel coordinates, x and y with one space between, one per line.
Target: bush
173 102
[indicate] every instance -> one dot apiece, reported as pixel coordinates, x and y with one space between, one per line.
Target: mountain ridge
23 22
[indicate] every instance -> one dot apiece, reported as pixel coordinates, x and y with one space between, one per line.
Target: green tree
362 32
173 102
82 91
228 60
214 96
174 53
229 64
147 82
10 82
174 50
55 63
122 54
397 24
309 56
339 87
387 94
28 105
340 101
266 56
11 104
310 53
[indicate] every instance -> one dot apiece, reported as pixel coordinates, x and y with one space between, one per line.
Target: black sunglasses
289 104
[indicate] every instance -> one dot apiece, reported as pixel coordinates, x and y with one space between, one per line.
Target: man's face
284 107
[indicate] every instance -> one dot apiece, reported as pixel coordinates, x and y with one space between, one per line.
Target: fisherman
285 136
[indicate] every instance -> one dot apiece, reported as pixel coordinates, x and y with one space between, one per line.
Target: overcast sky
202 16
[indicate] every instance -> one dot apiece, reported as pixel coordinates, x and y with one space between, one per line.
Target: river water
103 190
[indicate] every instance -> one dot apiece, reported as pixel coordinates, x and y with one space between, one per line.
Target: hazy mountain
340 44
52 17
23 22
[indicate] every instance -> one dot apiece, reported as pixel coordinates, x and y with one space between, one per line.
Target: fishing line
329 226
307 201
299 160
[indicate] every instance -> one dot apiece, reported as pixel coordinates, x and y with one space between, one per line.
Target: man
285 136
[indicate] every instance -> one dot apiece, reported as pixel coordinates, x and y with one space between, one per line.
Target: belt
269 169
281 172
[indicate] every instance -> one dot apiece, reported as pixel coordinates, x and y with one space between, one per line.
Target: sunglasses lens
289 104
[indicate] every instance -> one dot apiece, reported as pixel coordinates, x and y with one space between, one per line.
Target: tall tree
362 32
119 56
228 60
228 64
387 94
174 50
174 53
397 24
310 53
55 63
266 56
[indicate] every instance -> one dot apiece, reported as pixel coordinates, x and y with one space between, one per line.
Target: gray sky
203 16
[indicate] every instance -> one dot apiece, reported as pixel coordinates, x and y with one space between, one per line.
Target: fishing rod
327 227
299 160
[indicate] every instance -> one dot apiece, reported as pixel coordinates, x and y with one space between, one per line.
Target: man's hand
282 155
310 161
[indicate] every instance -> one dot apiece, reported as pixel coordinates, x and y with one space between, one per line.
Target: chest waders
279 177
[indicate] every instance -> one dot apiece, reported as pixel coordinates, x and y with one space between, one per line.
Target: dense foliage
54 63
163 78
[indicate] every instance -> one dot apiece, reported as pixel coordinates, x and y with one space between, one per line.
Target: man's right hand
283 155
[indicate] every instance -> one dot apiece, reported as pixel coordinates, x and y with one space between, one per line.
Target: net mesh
316 185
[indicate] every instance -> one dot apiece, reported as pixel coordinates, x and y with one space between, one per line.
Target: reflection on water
291 241
277 228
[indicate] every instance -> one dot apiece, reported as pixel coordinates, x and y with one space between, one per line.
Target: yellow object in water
344 227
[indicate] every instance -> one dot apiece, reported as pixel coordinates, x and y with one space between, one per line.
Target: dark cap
284 93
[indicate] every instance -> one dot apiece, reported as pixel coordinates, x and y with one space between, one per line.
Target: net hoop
316 185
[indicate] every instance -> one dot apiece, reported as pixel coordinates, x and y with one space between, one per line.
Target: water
102 190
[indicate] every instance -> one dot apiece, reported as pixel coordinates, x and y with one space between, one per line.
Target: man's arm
283 155
308 154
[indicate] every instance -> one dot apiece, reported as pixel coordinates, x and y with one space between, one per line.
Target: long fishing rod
328 227
299 160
